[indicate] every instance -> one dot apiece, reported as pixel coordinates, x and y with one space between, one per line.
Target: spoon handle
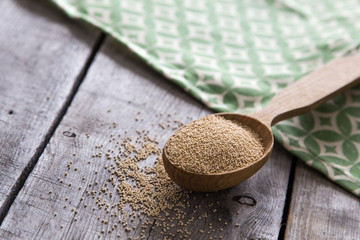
312 90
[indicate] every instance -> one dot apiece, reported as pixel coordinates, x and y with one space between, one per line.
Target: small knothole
10 112
245 200
69 134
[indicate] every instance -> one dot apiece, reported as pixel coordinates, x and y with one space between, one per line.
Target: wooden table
58 79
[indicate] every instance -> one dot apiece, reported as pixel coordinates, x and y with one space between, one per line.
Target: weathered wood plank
320 209
41 54
123 84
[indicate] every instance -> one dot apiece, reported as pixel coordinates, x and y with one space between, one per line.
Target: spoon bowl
217 181
296 99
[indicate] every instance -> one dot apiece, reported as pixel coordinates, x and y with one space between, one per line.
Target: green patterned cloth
235 55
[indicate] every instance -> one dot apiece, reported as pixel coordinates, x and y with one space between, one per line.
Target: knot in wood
245 200
69 134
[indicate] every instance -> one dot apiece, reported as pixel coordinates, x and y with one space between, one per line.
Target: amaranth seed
214 144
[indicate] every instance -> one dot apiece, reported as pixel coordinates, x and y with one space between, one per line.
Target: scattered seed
136 193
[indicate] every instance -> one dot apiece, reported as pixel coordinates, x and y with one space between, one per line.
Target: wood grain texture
320 209
41 55
114 79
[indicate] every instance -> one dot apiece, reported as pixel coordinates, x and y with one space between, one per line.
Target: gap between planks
289 192
39 151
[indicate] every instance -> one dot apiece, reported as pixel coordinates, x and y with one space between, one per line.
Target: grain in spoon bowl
213 145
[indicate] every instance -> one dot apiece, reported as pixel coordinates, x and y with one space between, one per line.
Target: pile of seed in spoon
214 144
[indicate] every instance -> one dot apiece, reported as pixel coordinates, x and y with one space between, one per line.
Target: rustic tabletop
65 87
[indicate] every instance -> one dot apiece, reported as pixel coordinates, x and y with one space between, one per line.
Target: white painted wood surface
320 209
114 79
41 54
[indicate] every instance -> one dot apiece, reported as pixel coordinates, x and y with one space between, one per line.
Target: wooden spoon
296 99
